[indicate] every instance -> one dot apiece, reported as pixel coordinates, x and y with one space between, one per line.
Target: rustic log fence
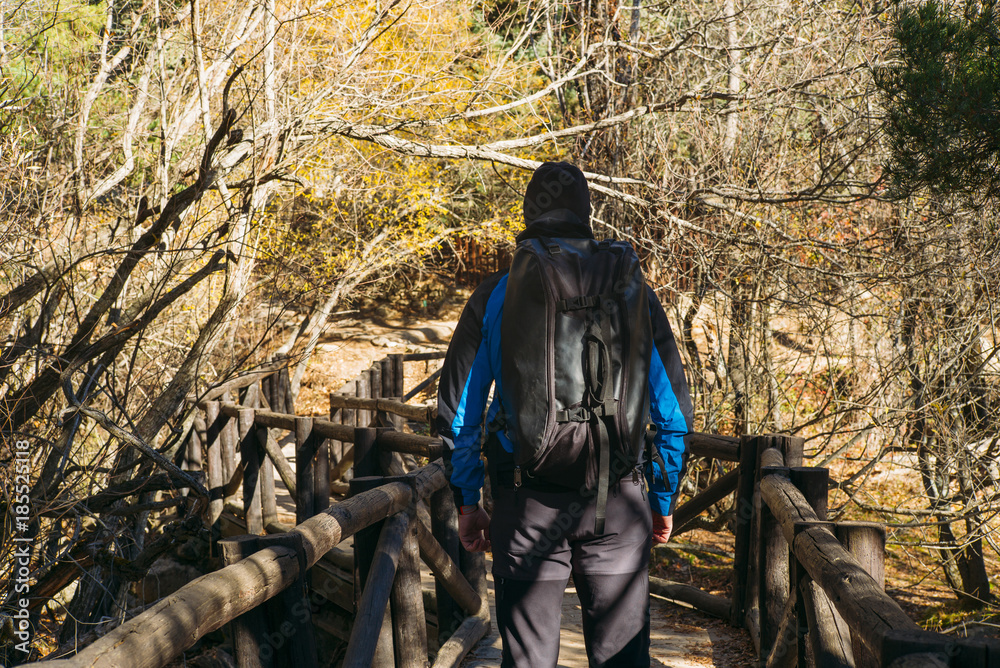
809 591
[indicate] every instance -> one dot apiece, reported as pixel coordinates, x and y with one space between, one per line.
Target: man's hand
474 529
662 526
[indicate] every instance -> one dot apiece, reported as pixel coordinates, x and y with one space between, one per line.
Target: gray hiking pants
539 539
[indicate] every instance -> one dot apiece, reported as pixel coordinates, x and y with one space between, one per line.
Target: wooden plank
368 623
717 606
859 599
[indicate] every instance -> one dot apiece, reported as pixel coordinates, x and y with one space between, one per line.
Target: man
540 531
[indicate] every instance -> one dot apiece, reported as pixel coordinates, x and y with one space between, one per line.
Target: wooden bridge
809 591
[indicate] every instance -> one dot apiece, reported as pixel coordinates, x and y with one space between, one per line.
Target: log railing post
366 459
251 627
743 524
772 571
375 381
215 422
444 528
290 639
388 383
812 606
865 541
269 503
398 375
230 444
305 448
364 392
321 476
251 453
286 401
473 567
409 626
366 649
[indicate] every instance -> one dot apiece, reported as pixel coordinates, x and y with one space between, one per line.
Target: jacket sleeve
466 378
671 412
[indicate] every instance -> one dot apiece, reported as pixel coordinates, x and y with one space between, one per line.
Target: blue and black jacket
473 363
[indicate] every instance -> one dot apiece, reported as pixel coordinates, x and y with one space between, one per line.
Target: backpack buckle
554 249
606 409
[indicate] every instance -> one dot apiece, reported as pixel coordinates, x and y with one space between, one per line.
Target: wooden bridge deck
699 641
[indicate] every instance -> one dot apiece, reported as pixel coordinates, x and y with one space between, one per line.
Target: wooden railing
810 592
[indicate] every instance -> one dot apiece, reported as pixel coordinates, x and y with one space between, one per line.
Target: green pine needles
942 97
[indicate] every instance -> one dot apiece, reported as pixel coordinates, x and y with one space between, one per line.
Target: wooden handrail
408 411
716 446
156 636
868 610
237 383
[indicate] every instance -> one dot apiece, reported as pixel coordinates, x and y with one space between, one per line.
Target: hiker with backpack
585 430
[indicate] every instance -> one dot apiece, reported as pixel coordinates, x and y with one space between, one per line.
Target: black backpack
575 346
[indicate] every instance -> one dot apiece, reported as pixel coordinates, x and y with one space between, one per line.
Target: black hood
555 186
561 224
